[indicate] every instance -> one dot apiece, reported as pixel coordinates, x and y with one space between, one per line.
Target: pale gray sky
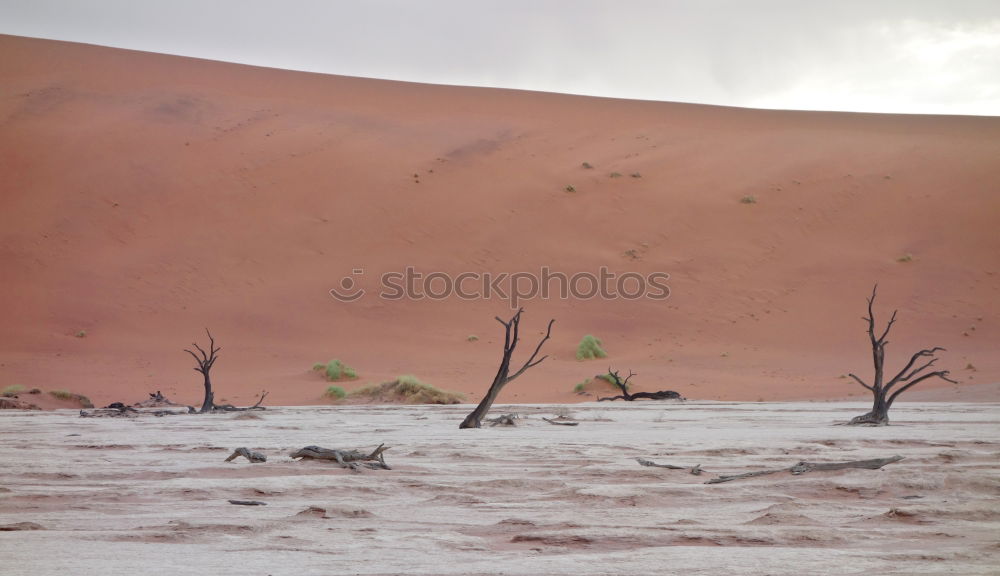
912 56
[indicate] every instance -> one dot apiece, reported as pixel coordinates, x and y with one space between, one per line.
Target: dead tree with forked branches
630 396
511 328
205 362
885 393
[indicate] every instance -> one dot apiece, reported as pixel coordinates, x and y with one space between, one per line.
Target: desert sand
146 197
110 496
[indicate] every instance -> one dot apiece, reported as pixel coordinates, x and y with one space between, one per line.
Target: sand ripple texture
151 494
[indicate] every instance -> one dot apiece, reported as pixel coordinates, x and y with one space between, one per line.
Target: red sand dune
146 197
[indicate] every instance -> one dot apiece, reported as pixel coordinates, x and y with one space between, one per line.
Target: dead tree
629 396
885 393
511 327
205 363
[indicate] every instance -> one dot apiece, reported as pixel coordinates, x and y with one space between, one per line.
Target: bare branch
942 374
531 361
888 327
859 381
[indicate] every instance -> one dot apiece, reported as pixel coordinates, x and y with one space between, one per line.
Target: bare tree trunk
884 394
209 401
511 327
205 362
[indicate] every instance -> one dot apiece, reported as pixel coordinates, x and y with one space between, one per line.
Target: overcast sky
913 56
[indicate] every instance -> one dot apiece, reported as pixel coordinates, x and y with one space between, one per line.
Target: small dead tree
511 327
205 362
885 393
629 396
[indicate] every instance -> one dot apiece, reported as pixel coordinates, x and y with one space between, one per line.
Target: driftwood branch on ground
250 455
800 468
696 470
231 408
559 422
803 467
346 458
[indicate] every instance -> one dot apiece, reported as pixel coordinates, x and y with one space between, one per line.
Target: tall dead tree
511 327
205 362
629 396
885 393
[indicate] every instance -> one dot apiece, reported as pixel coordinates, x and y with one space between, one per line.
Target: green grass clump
581 387
472 338
587 166
319 367
12 390
335 393
61 394
570 188
590 348
905 258
615 175
410 390
748 199
336 370
610 379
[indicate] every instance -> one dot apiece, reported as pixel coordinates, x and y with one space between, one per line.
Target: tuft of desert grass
12 390
336 370
590 348
335 393
67 395
410 390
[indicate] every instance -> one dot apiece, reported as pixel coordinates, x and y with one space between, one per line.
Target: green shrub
581 387
748 199
905 258
570 188
81 334
337 370
610 379
319 367
590 348
12 390
335 393
635 175
472 338
615 175
587 165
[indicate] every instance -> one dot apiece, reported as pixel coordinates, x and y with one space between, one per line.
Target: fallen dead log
651 464
696 469
558 422
231 408
346 458
629 396
803 467
250 455
504 420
